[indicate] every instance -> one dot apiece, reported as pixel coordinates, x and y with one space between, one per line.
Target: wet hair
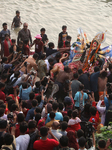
64 141
64 26
64 125
26 42
55 106
81 86
10 102
51 44
8 139
20 117
69 113
66 69
44 131
80 133
34 103
96 69
42 29
35 56
68 37
60 44
23 127
38 110
75 75
93 110
37 117
43 56
102 143
80 71
14 107
75 113
4 24
66 118
24 104
2 111
82 142
52 115
32 95
13 40
2 85
17 12
50 60
4 59
32 124
61 106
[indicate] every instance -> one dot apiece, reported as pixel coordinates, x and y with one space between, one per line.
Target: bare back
101 83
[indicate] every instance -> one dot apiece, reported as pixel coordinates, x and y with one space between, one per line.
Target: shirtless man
102 81
62 81
30 62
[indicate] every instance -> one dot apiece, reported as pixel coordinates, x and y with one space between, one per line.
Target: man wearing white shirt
23 140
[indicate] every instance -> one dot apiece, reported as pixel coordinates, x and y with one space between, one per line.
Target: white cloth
48 65
4 117
74 121
102 111
56 134
43 113
22 142
19 80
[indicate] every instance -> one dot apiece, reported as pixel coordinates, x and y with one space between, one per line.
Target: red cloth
64 44
2 96
74 127
6 48
11 95
26 50
38 46
25 113
48 144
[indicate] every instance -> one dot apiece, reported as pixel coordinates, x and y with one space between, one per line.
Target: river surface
91 15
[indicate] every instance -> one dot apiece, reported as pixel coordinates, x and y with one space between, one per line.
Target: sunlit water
91 15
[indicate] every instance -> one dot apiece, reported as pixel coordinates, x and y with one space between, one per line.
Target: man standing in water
24 34
63 34
3 32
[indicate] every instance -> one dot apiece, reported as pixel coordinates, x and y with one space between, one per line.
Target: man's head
67 101
20 117
43 56
23 127
82 142
67 43
64 125
44 131
75 76
75 113
55 125
17 74
32 95
64 141
2 111
96 69
67 69
80 133
2 86
34 103
25 26
32 125
61 106
13 41
64 28
55 106
51 45
20 44
101 144
3 124
80 71
4 26
68 38
42 30
51 61
17 13
8 139
35 56
7 37
66 118
4 77
52 115
81 87
93 110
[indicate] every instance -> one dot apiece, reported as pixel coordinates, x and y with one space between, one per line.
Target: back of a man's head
23 127
3 124
82 142
44 131
96 69
20 117
64 125
52 115
75 75
35 56
34 103
80 133
32 124
8 139
32 95
80 71
55 106
64 141
55 125
102 144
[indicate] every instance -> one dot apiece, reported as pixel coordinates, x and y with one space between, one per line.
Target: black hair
2 85
3 106
42 29
24 104
80 71
3 124
96 69
61 106
87 108
16 74
17 91
32 124
2 110
13 40
69 113
51 44
68 37
6 34
64 26
10 102
35 56
93 110
102 143
50 60
17 12
38 98
23 127
20 42
38 110
14 107
75 75
66 118
44 81
110 96
81 86
1 102
67 43
64 141
37 117
32 95
20 117
82 142
8 139
66 69
60 44
55 106
34 103
75 113
37 84
4 59
58 55
103 75
64 125
4 24
26 41
8 98
4 76
52 115
43 56
80 133
24 85
44 131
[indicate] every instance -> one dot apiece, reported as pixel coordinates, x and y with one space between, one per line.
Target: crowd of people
43 103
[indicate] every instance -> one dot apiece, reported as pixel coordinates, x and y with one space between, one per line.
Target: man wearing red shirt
39 45
44 143
2 94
